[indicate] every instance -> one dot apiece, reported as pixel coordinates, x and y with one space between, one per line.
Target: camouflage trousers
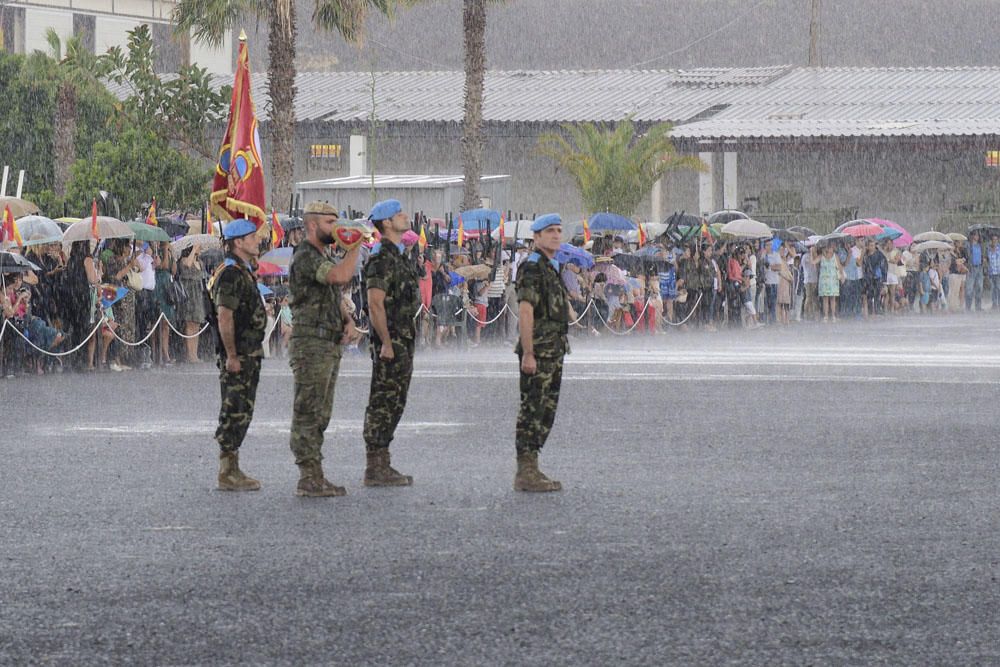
539 400
315 364
239 392
387 395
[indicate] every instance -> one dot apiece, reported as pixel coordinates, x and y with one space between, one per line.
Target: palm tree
474 40
212 19
77 67
613 168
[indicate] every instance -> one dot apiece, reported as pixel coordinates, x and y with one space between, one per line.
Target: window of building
325 155
12 29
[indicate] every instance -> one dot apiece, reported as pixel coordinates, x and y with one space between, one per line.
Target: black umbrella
789 235
13 263
806 232
174 227
629 263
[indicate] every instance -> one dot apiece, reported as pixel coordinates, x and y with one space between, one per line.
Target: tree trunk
281 89
64 137
474 37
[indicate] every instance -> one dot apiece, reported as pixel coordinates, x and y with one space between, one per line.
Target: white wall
38 21
216 61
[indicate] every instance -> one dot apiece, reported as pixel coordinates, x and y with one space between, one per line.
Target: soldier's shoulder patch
533 258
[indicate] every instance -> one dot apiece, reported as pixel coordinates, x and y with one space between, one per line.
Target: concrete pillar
359 155
706 185
730 183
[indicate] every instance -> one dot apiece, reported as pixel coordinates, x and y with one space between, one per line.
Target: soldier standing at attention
322 325
392 281
543 309
241 323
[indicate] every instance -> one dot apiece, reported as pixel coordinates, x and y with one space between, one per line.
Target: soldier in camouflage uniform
392 281
322 325
543 312
241 322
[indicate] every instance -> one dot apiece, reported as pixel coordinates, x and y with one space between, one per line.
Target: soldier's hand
528 364
350 334
233 365
387 353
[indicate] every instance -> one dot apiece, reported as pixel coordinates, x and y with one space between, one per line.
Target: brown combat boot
231 478
313 484
530 478
380 473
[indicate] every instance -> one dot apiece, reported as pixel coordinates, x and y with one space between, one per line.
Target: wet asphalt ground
820 495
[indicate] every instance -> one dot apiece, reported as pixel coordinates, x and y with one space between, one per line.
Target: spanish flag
151 215
642 236
461 232
10 231
277 232
586 231
209 223
238 186
706 233
423 237
501 229
93 221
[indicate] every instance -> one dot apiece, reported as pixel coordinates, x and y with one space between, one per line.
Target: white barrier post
20 183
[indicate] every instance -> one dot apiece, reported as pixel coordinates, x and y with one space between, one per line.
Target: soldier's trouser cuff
522 448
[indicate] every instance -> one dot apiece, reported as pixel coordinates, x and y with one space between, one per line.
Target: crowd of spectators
469 298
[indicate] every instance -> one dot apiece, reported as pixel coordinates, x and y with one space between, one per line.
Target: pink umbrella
862 229
903 241
410 237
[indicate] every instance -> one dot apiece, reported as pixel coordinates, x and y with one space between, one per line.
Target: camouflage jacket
234 287
390 270
315 303
538 283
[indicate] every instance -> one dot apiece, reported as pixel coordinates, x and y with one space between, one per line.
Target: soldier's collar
232 260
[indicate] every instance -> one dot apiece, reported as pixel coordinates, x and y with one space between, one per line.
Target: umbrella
11 262
39 230
144 232
984 227
479 218
860 228
18 207
804 231
278 256
269 269
932 245
812 240
107 228
174 227
903 240
264 289
456 279
112 294
523 230
474 271
747 229
652 229
722 217
204 240
931 236
571 254
955 236
651 250
626 262
834 236
610 222
614 274
788 235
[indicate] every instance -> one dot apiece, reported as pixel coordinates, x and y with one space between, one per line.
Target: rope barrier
638 320
47 352
689 316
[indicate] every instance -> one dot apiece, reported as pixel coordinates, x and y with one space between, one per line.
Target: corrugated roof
716 103
860 102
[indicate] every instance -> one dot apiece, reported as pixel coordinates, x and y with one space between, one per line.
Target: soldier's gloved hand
387 353
528 364
233 365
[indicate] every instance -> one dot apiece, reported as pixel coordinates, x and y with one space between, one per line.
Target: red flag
642 236
209 223
151 215
501 229
461 232
10 231
586 231
423 237
238 187
93 221
277 232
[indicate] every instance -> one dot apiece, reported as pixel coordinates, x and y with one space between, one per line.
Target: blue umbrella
264 289
455 279
479 218
651 250
890 233
571 254
610 222
279 256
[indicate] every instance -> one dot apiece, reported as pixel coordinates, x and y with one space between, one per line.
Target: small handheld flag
422 241
642 236
501 229
277 232
461 232
93 221
10 231
209 223
586 231
151 215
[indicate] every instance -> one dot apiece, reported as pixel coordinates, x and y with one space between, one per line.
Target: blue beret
385 209
544 221
238 228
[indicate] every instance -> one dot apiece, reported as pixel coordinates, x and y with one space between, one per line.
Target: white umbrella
931 236
652 229
932 245
955 236
38 230
523 228
747 229
206 241
107 228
